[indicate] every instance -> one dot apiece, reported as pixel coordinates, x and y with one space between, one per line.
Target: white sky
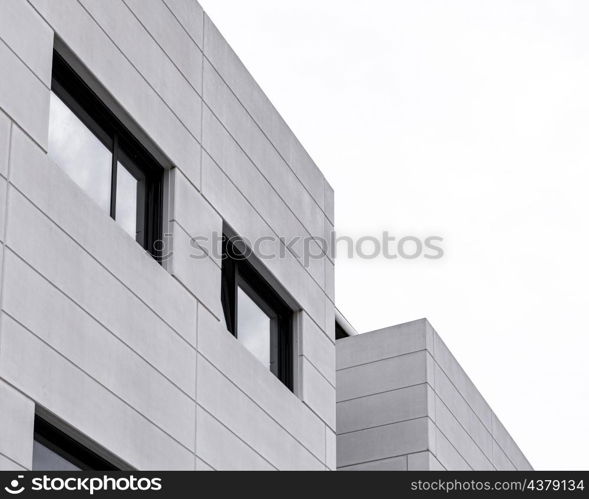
464 119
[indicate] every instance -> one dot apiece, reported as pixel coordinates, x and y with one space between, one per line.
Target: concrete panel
229 405
61 324
461 381
305 168
329 319
382 408
195 270
149 59
234 73
25 32
3 191
329 279
61 261
435 465
447 455
383 442
56 384
195 214
430 369
128 88
431 403
317 393
329 202
381 344
230 203
500 459
261 194
419 461
507 444
255 144
381 376
171 36
457 436
391 464
423 461
54 193
462 412
330 449
202 466
190 14
2 250
17 416
223 450
229 356
317 348
238 213
432 435
328 242
9 465
460 439
23 97
5 126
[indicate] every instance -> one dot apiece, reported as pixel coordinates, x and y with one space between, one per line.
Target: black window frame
75 93
238 271
69 448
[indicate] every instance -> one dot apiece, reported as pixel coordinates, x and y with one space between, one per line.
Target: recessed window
54 450
340 332
255 313
100 155
254 326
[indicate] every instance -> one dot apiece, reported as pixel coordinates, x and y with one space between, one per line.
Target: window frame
238 271
75 93
69 448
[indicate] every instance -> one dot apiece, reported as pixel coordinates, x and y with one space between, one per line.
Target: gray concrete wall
130 354
404 403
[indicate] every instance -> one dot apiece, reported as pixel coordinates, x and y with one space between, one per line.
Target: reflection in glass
253 328
75 149
126 214
44 459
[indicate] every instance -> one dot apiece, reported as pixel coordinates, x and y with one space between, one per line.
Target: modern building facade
404 403
158 306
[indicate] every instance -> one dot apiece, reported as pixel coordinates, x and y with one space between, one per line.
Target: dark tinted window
255 313
54 450
101 156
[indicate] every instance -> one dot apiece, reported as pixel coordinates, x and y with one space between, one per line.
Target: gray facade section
404 403
133 356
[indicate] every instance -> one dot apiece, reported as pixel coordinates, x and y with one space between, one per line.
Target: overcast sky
467 120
